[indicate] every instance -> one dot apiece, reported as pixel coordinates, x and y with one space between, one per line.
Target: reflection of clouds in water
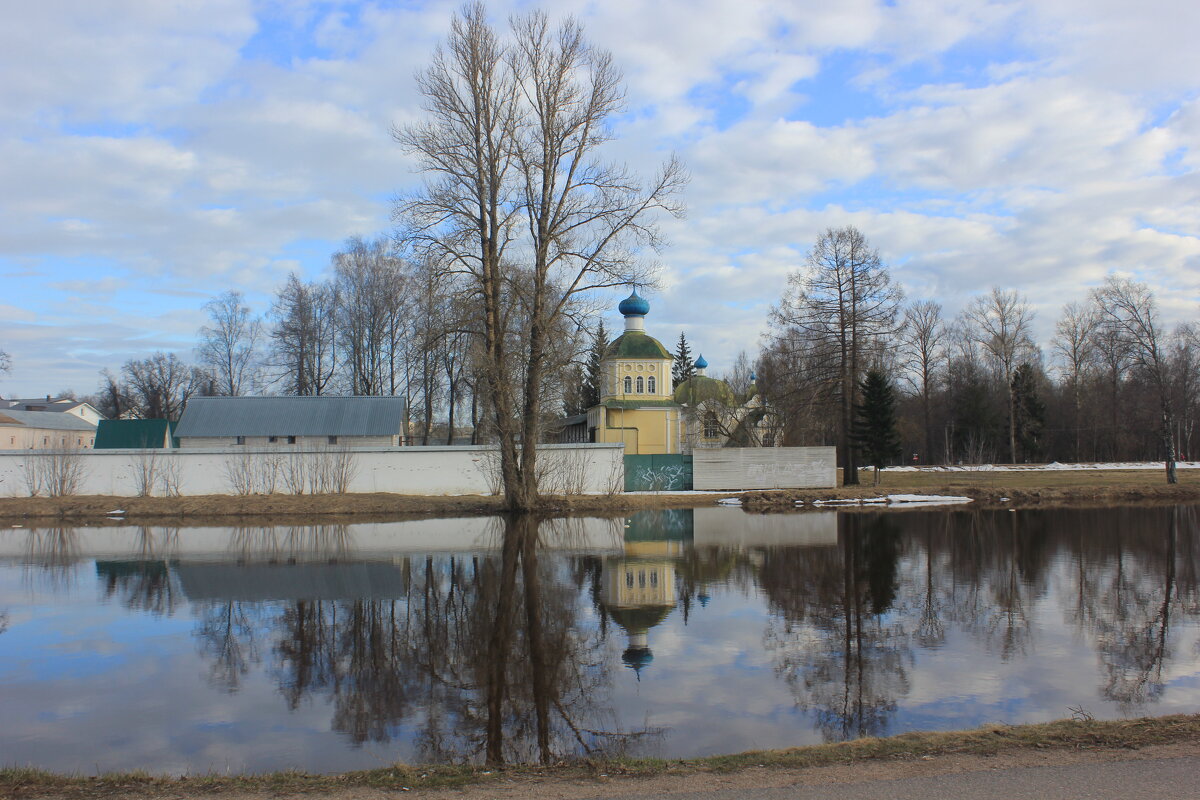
713 685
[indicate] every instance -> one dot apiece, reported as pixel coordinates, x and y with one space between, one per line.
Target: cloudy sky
155 153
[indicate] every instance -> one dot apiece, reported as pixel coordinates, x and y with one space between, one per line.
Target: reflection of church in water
639 586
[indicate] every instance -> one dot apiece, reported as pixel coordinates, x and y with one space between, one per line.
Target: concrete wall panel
764 468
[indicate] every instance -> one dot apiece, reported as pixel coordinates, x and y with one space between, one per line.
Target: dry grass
1023 488
991 740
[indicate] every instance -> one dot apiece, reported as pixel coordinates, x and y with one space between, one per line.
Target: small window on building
333 440
272 439
641 384
291 440
650 385
239 440
628 385
653 580
45 441
768 440
629 579
712 428
641 579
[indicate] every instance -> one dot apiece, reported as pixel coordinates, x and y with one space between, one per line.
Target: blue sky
154 154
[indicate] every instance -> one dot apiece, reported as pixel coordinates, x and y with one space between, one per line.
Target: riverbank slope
1013 489
911 754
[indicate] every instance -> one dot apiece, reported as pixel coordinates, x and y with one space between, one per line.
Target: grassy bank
991 740
1014 489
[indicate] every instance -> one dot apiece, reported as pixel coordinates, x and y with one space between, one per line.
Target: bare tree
1074 342
370 289
161 385
112 398
923 342
229 345
5 362
303 338
845 297
511 151
1000 322
1131 314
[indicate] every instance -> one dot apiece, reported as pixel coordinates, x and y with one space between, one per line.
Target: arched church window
628 385
650 385
712 428
641 385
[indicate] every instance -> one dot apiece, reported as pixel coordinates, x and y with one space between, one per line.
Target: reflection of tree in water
145 583
54 551
1131 572
265 543
227 636
483 656
844 656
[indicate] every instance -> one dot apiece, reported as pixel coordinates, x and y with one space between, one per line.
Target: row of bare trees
1119 385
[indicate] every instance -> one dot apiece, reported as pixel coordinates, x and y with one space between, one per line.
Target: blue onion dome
634 306
701 363
753 377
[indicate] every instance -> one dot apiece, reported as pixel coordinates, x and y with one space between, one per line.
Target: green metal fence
658 473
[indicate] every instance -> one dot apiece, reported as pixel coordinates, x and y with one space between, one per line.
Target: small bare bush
169 479
240 473
145 473
295 473
562 471
58 473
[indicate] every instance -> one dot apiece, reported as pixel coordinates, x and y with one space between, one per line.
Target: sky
155 153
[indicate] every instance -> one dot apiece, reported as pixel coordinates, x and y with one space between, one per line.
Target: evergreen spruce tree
1030 413
683 368
593 381
874 431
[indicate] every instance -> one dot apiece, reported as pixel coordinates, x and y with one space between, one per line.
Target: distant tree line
1115 386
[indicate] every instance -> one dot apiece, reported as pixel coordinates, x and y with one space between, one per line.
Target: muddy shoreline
995 490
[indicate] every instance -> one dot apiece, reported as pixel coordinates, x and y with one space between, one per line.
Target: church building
636 406
640 409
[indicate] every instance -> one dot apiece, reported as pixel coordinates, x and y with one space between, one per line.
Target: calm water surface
676 633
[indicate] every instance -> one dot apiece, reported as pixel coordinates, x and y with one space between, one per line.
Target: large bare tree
370 314
923 342
162 384
229 344
519 207
1000 323
1131 314
843 297
1074 342
303 336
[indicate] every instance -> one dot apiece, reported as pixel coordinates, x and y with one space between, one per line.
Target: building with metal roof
284 421
58 405
44 430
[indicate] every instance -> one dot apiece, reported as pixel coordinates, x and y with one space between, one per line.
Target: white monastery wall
573 468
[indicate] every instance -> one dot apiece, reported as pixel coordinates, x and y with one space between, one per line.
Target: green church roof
635 344
699 388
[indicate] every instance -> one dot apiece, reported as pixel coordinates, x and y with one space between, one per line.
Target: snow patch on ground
895 499
1052 466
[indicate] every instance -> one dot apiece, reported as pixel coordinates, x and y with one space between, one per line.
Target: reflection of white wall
764 468
365 541
408 470
732 527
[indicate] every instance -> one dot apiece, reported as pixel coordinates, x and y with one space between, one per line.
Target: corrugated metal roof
113 434
48 420
291 416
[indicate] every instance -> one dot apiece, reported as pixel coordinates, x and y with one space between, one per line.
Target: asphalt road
1153 779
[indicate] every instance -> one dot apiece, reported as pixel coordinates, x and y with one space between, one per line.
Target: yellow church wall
643 431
